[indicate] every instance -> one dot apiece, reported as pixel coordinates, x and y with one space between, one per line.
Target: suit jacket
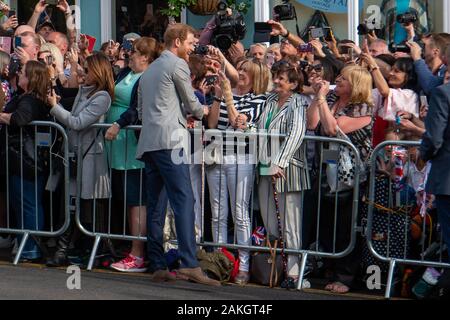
165 99
86 112
291 154
436 141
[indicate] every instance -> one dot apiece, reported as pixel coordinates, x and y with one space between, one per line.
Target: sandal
337 287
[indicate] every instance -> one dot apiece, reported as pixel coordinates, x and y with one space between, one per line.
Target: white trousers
289 205
233 183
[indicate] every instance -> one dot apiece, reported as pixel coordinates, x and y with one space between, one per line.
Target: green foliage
175 7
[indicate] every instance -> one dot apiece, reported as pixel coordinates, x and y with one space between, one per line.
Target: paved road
37 282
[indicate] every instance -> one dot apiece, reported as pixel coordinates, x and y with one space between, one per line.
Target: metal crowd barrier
302 251
395 200
52 141
108 233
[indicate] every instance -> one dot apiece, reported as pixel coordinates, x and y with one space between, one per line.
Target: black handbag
267 267
24 159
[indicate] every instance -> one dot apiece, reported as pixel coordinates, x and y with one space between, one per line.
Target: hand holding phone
17 42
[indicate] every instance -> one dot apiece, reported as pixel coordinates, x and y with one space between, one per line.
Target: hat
45 24
131 35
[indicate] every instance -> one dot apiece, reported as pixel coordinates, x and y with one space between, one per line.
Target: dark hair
406 65
293 72
198 69
387 58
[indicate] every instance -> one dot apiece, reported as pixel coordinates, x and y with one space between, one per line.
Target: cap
131 35
46 23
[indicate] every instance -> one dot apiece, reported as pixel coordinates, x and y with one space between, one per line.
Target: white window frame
353 20
446 16
262 10
106 20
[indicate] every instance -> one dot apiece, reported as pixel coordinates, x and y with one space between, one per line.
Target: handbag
341 175
267 267
24 159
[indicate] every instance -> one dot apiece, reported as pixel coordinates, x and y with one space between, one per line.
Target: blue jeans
161 173
443 209
33 211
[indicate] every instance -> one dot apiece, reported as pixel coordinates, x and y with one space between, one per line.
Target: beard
183 54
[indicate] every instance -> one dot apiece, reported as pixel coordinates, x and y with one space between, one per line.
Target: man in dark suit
165 99
436 148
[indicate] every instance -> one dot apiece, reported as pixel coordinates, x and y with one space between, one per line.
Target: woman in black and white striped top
232 179
283 160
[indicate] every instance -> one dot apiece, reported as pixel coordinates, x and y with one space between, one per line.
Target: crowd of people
365 94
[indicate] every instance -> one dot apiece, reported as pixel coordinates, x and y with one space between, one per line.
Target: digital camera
407 18
229 30
285 11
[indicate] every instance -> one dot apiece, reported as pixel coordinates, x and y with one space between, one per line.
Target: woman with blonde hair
91 105
232 179
55 63
348 109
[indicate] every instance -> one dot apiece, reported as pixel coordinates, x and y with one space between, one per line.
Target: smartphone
211 80
50 60
305 48
52 2
270 60
111 43
424 101
17 42
317 33
127 45
328 34
11 13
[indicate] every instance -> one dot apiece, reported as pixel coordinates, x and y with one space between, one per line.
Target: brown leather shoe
163 275
196 275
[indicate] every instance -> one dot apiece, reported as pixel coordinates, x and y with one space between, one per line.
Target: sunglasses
315 67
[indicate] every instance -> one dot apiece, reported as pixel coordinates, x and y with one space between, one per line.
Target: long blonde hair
361 83
260 74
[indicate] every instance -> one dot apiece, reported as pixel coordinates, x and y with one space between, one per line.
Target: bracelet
374 68
218 100
287 35
116 124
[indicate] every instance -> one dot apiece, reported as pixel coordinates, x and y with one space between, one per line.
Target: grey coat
436 141
165 99
86 112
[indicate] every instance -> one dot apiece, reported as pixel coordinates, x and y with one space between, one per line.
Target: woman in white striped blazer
284 159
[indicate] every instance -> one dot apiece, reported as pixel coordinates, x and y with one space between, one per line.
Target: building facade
111 19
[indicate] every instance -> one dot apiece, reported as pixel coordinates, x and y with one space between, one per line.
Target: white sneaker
5 243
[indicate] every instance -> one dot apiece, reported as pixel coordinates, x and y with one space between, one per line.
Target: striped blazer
291 151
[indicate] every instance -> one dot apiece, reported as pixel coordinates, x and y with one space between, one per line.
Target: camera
211 80
401 47
366 28
201 50
285 11
407 18
229 30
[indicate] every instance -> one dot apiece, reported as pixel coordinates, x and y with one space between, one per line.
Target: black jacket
25 109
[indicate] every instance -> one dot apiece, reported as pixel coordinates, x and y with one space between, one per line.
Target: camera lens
223 42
